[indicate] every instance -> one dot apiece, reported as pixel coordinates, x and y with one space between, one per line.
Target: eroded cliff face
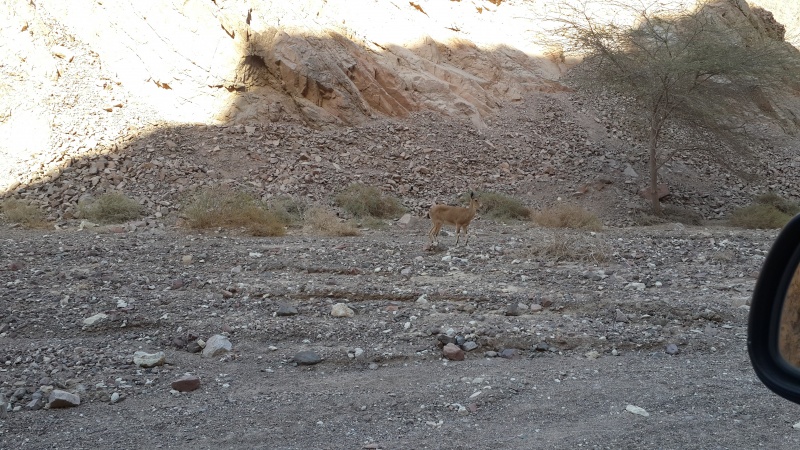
318 61
79 76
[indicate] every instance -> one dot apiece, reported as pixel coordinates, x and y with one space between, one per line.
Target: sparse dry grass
19 212
225 208
568 216
325 222
111 207
289 209
759 216
502 207
768 211
573 247
366 201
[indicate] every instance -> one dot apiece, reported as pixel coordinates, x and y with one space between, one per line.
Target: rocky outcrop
242 61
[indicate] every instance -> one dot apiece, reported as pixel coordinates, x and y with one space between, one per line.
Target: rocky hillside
424 98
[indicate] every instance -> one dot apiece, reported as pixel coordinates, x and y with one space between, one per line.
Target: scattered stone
620 316
144 359
217 345
115 397
405 220
95 319
672 349
469 346
373 366
342 310
62 399
542 347
637 410
306 358
508 353
186 383
193 347
445 339
637 286
513 310
36 403
592 354
286 310
453 352
536 307
176 284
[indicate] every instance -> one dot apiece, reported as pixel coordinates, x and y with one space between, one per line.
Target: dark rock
286 310
542 347
186 383
469 346
508 353
193 347
453 352
445 339
306 358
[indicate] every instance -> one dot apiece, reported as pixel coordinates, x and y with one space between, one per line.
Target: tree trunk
654 172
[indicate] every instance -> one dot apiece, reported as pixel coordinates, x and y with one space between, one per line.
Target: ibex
453 215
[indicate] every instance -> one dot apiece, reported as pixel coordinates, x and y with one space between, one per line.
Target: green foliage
19 212
568 216
769 211
677 64
112 207
366 201
222 207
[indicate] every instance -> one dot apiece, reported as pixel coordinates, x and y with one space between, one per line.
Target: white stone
637 410
342 310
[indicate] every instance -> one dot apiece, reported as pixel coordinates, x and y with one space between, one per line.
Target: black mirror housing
764 322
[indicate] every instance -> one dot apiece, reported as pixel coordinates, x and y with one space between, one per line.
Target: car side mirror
773 329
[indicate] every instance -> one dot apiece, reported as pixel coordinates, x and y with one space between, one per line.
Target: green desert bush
111 207
759 216
568 216
222 207
367 201
768 211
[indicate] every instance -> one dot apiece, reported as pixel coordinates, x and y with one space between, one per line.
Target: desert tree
678 61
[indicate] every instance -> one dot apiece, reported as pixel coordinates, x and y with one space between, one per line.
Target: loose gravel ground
572 331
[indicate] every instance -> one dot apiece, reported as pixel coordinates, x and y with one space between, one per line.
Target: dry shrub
367 201
568 216
19 212
325 222
759 216
671 214
289 209
112 207
222 207
779 203
502 207
768 211
574 247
